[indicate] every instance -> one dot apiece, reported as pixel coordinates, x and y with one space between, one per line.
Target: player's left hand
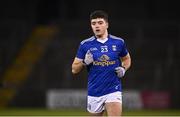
120 71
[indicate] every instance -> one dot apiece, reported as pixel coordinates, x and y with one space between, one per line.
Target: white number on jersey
104 49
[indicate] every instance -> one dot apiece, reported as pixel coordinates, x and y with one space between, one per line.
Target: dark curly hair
99 14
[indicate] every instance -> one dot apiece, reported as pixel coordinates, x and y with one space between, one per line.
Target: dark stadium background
29 68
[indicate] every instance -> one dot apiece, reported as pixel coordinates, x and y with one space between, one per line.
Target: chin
98 35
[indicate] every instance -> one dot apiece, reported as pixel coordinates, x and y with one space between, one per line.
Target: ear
107 25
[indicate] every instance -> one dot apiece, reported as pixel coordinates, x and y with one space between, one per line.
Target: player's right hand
88 58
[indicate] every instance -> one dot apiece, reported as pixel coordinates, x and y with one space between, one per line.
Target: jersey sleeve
124 50
81 52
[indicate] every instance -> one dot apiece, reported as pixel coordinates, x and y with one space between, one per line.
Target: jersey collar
102 40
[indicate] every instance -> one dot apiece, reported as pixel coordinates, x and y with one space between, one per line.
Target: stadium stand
151 32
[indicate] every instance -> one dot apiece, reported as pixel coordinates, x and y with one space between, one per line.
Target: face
99 27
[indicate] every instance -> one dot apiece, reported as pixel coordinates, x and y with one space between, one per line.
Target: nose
96 26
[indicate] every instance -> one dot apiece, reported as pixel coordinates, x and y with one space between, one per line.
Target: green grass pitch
79 112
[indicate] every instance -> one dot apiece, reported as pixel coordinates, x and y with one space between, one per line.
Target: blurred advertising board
156 99
66 99
132 99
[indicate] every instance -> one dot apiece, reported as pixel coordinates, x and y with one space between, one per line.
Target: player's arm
77 65
126 62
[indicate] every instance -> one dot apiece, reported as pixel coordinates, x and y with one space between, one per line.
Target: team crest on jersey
114 47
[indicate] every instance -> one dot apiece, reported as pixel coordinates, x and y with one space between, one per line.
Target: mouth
97 30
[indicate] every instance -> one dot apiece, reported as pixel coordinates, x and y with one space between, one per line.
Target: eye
100 22
93 23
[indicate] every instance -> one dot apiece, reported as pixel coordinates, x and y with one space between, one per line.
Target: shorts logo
118 99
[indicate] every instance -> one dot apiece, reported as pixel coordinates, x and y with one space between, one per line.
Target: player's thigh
113 104
113 108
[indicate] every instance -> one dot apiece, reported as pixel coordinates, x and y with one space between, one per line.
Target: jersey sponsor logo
104 61
104 58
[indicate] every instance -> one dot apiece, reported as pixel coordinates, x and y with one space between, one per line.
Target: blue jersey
102 78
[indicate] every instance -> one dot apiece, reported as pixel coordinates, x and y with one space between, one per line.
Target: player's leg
113 108
113 104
